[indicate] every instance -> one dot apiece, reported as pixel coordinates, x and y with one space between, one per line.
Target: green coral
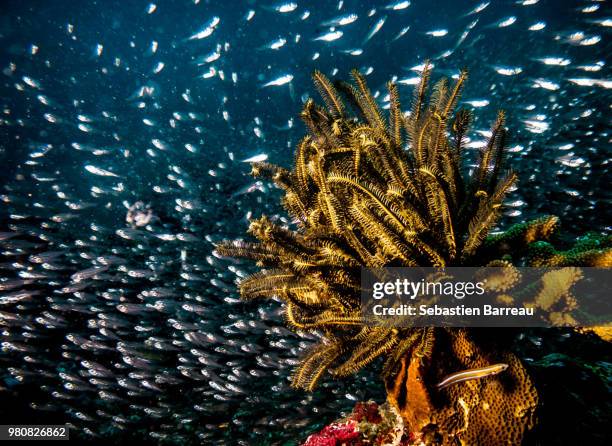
536 243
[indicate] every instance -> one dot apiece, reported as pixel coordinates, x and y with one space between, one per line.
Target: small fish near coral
467 375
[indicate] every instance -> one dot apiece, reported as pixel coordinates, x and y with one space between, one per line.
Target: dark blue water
108 103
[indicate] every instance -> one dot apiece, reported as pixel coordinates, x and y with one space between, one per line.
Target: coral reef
374 191
483 411
368 423
536 244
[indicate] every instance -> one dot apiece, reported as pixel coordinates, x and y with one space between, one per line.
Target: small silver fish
282 80
379 24
98 171
7 235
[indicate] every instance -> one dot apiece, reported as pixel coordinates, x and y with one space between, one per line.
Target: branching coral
373 191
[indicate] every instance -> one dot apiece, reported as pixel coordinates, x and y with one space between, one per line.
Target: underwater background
137 333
